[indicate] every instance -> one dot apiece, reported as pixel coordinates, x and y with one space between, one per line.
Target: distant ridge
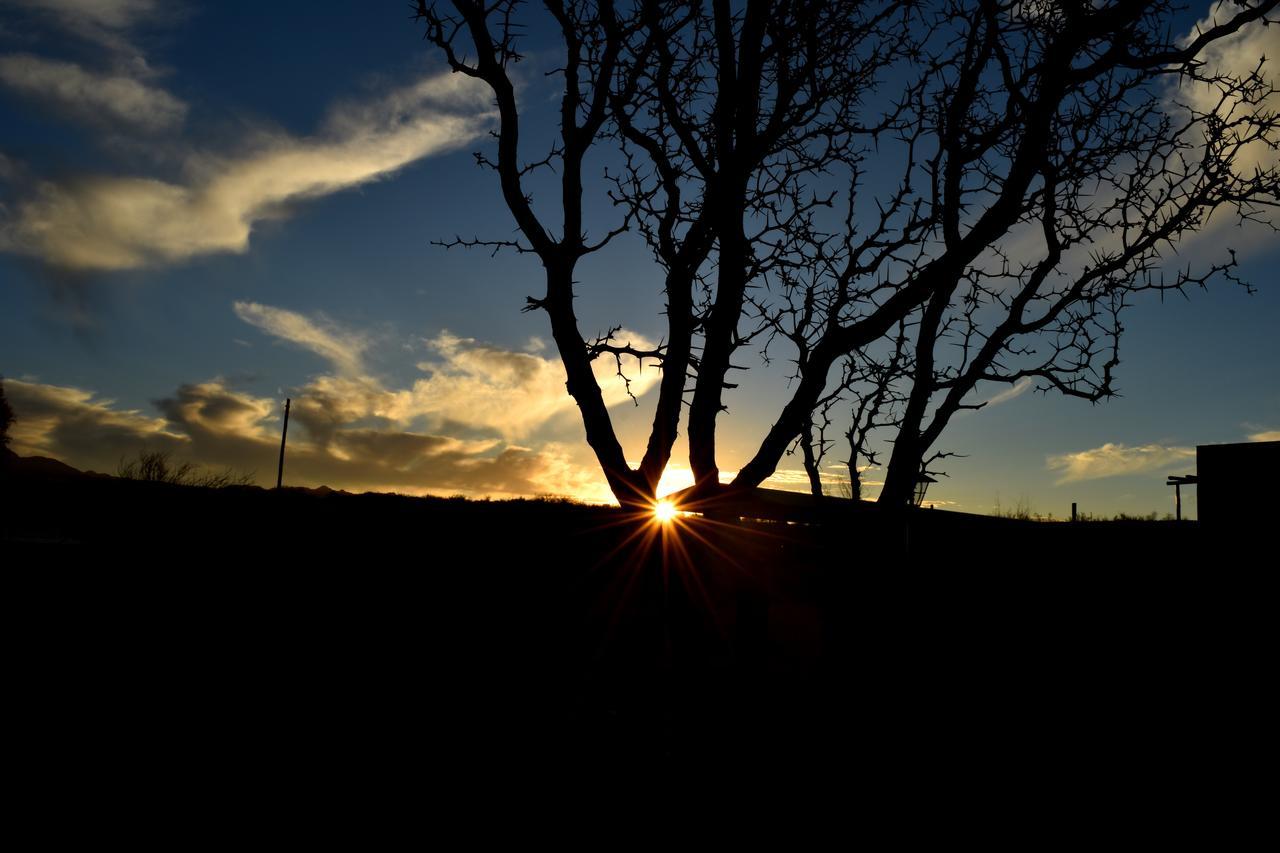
42 466
46 468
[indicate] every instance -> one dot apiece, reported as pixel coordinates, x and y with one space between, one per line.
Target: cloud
1115 460
115 223
70 423
1015 390
1266 435
105 23
104 14
467 383
212 409
453 430
212 424
512 393
1237 56
91 97
344 350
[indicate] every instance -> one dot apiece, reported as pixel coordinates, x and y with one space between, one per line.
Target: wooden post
1177 483
1073 510
284 433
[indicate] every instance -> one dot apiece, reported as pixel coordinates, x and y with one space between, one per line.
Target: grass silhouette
156 466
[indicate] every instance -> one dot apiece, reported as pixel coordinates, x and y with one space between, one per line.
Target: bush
154 466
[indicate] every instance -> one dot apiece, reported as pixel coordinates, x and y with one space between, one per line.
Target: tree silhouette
1046 160
593 39
691 148
6 416
1064 165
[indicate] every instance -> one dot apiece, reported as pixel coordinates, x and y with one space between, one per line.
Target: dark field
166 627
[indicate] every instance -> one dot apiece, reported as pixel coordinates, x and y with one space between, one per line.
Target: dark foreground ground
291 635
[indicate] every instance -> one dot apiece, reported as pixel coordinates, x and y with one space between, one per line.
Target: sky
206 208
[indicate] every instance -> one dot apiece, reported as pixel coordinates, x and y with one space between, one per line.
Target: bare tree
718 114
1130 170
480 40
1048 166
1044 166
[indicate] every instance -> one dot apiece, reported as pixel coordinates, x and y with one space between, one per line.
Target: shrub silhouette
155 466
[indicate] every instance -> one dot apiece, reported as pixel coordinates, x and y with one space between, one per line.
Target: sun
664 511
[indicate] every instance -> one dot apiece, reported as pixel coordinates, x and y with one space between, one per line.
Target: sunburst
665 512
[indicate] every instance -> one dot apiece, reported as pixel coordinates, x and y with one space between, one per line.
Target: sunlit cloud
343 349
464 427
212 424
468 383
115 223
512 393
1238 56
1265 435
91 97
1116 460
71 423
794 480
211 408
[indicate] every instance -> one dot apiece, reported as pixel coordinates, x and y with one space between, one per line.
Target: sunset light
689 362
664 511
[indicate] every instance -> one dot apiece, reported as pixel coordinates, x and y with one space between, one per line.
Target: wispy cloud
121 94
113 223
108 24
1265 435
467 383
1115 460
1016 390
88 16
91 97
343 349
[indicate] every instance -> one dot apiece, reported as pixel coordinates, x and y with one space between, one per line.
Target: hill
536 631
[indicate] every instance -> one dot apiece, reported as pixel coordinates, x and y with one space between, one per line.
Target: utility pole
284 434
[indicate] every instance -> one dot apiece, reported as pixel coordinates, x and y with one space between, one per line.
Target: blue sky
210 206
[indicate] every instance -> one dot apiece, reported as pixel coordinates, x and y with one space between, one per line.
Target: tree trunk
811 462
718 340
904 471
666 415
855 480
581 384
908 450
